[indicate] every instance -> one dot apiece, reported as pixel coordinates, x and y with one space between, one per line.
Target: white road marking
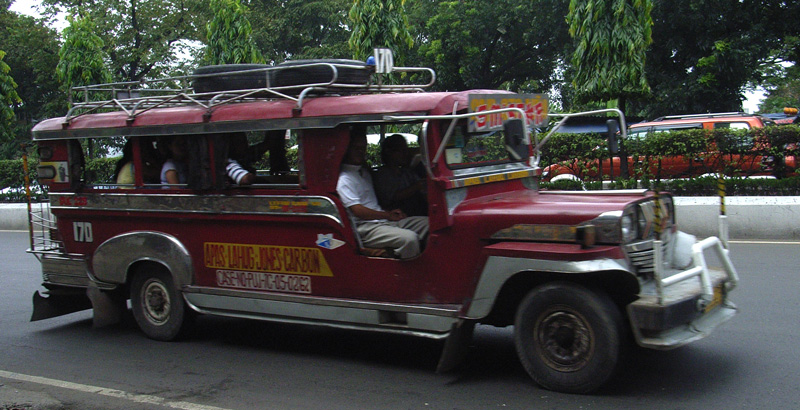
85 388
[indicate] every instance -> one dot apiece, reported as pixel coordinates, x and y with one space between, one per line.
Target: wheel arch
613 283
117 258
505 282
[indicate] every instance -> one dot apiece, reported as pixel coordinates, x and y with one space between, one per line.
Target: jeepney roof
255 114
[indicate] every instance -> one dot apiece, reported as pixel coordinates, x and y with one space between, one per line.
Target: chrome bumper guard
680 306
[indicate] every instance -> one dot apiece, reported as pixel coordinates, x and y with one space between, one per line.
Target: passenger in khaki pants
376 227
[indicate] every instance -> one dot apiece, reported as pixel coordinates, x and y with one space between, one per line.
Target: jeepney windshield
473 149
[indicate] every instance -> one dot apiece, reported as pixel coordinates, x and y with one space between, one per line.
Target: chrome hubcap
155 299
564 340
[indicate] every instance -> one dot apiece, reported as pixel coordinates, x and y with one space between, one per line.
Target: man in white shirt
376 227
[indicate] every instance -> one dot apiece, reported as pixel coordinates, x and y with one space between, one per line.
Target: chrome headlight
608 227
629 226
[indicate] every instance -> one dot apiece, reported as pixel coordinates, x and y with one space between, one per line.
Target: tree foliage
143 39
379 23
301 29
32 55
229 35
782 80
8 100
491 44
81 58
611 37
783 90
704 53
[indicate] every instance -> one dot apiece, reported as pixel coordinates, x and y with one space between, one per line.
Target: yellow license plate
716 300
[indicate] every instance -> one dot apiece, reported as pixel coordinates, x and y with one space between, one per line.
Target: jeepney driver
376 227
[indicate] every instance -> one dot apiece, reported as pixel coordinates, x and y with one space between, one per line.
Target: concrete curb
749 217
13 217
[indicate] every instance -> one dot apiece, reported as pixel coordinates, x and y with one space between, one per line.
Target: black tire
157 305
359 75
225 82
568 337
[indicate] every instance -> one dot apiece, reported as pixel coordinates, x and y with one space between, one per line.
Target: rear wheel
157 306
568 337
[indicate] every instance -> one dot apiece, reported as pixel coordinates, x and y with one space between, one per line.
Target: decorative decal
328 242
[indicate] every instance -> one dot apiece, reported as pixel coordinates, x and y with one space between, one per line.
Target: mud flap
59 302
456 346
106 305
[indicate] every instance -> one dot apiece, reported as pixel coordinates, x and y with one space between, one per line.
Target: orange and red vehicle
571 271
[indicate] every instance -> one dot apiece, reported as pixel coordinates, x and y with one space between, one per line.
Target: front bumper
677 306
682 316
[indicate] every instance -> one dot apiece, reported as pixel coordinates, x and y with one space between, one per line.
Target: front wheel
157 306
568 337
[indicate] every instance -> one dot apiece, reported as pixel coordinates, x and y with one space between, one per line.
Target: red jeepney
570 270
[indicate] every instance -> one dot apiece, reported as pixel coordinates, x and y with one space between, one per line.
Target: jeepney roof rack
707 115
329 78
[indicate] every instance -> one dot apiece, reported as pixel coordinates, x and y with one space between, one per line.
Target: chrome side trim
114 257
499 269
424 321
203 204
428 309
65 271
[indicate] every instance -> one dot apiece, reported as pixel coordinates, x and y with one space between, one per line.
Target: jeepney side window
257 158
140 160
96 162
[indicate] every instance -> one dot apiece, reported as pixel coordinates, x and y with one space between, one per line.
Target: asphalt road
65 363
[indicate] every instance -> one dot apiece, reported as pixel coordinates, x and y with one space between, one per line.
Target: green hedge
778 142
12 174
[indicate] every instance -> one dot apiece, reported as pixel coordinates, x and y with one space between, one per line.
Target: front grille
641 256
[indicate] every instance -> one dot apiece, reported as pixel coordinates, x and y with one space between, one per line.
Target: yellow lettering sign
265 258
